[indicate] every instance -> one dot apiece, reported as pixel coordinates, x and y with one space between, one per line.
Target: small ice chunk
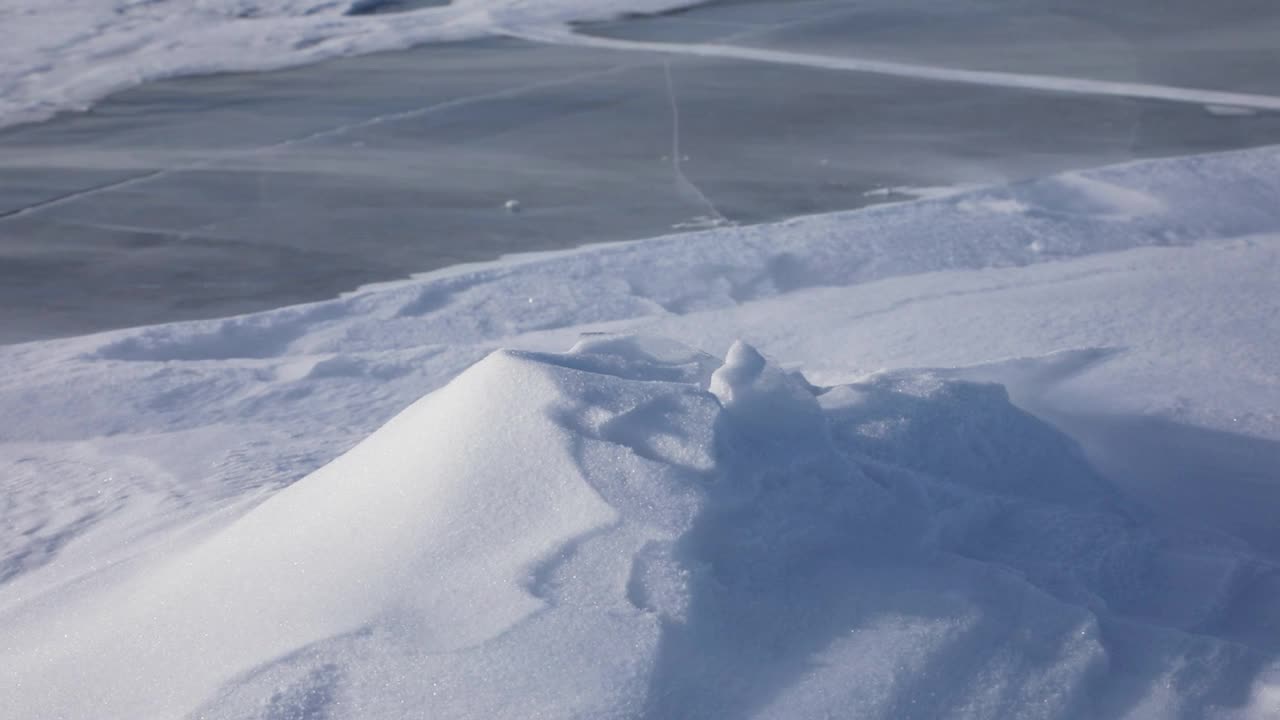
742 366
765 403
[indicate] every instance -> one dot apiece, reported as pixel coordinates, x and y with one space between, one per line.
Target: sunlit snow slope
239 518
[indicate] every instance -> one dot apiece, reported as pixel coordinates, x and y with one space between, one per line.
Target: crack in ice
287 143
714 216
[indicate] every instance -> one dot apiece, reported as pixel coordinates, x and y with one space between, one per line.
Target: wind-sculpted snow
67 54
627 531
240 518
1162 203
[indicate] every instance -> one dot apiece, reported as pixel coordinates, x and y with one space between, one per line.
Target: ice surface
239 517
213 196
966 76
1227 47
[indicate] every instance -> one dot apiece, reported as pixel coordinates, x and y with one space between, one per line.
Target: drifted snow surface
637 529
628 530
64 55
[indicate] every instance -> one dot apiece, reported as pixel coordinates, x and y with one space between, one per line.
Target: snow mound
636 529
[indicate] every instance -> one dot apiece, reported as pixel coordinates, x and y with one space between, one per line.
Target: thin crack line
310 137
76 195
677 162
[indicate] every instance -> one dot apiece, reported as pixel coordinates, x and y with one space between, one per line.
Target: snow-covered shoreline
64 56
638 529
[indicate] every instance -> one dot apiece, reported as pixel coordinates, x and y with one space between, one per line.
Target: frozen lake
1004 451
210 196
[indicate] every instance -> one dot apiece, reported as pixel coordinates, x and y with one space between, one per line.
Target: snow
1002 453
1229 111
64 55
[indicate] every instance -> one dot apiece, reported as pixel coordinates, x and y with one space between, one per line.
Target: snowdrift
1167 203
636 529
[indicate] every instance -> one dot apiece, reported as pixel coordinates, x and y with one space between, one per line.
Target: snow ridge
628 530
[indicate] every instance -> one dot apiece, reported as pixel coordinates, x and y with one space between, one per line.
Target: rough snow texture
599 534
64 55
229 518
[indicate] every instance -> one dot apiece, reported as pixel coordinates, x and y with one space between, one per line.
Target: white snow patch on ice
1116 200
1007 206
1230 111
919 192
